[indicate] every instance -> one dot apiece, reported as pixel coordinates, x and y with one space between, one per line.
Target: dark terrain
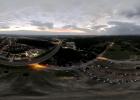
99 68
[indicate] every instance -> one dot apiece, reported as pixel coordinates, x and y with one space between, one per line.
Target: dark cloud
75 28
4 27
42 25
130 13
70 27
123 28
99 27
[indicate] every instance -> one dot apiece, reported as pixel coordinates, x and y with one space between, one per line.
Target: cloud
41 25
74 27
119 28
130 13
70 27
123 28
4 27
85 15
34 33
98 27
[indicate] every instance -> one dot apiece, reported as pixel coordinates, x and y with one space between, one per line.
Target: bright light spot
101 58
38 67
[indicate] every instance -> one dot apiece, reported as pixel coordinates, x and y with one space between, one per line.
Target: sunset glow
34 28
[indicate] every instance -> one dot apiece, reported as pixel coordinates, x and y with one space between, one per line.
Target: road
38 60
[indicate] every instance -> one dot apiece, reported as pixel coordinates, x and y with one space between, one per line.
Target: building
69 45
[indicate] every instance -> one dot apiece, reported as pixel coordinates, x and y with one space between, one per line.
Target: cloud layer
92 17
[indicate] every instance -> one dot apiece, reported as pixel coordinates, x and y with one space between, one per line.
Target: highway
37 60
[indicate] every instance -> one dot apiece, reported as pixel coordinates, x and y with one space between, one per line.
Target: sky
70 17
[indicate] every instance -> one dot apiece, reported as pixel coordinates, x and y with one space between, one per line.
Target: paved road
38 60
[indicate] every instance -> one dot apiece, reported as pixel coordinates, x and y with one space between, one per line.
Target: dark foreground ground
92 68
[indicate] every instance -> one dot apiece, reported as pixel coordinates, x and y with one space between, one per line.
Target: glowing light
38 67
101 58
